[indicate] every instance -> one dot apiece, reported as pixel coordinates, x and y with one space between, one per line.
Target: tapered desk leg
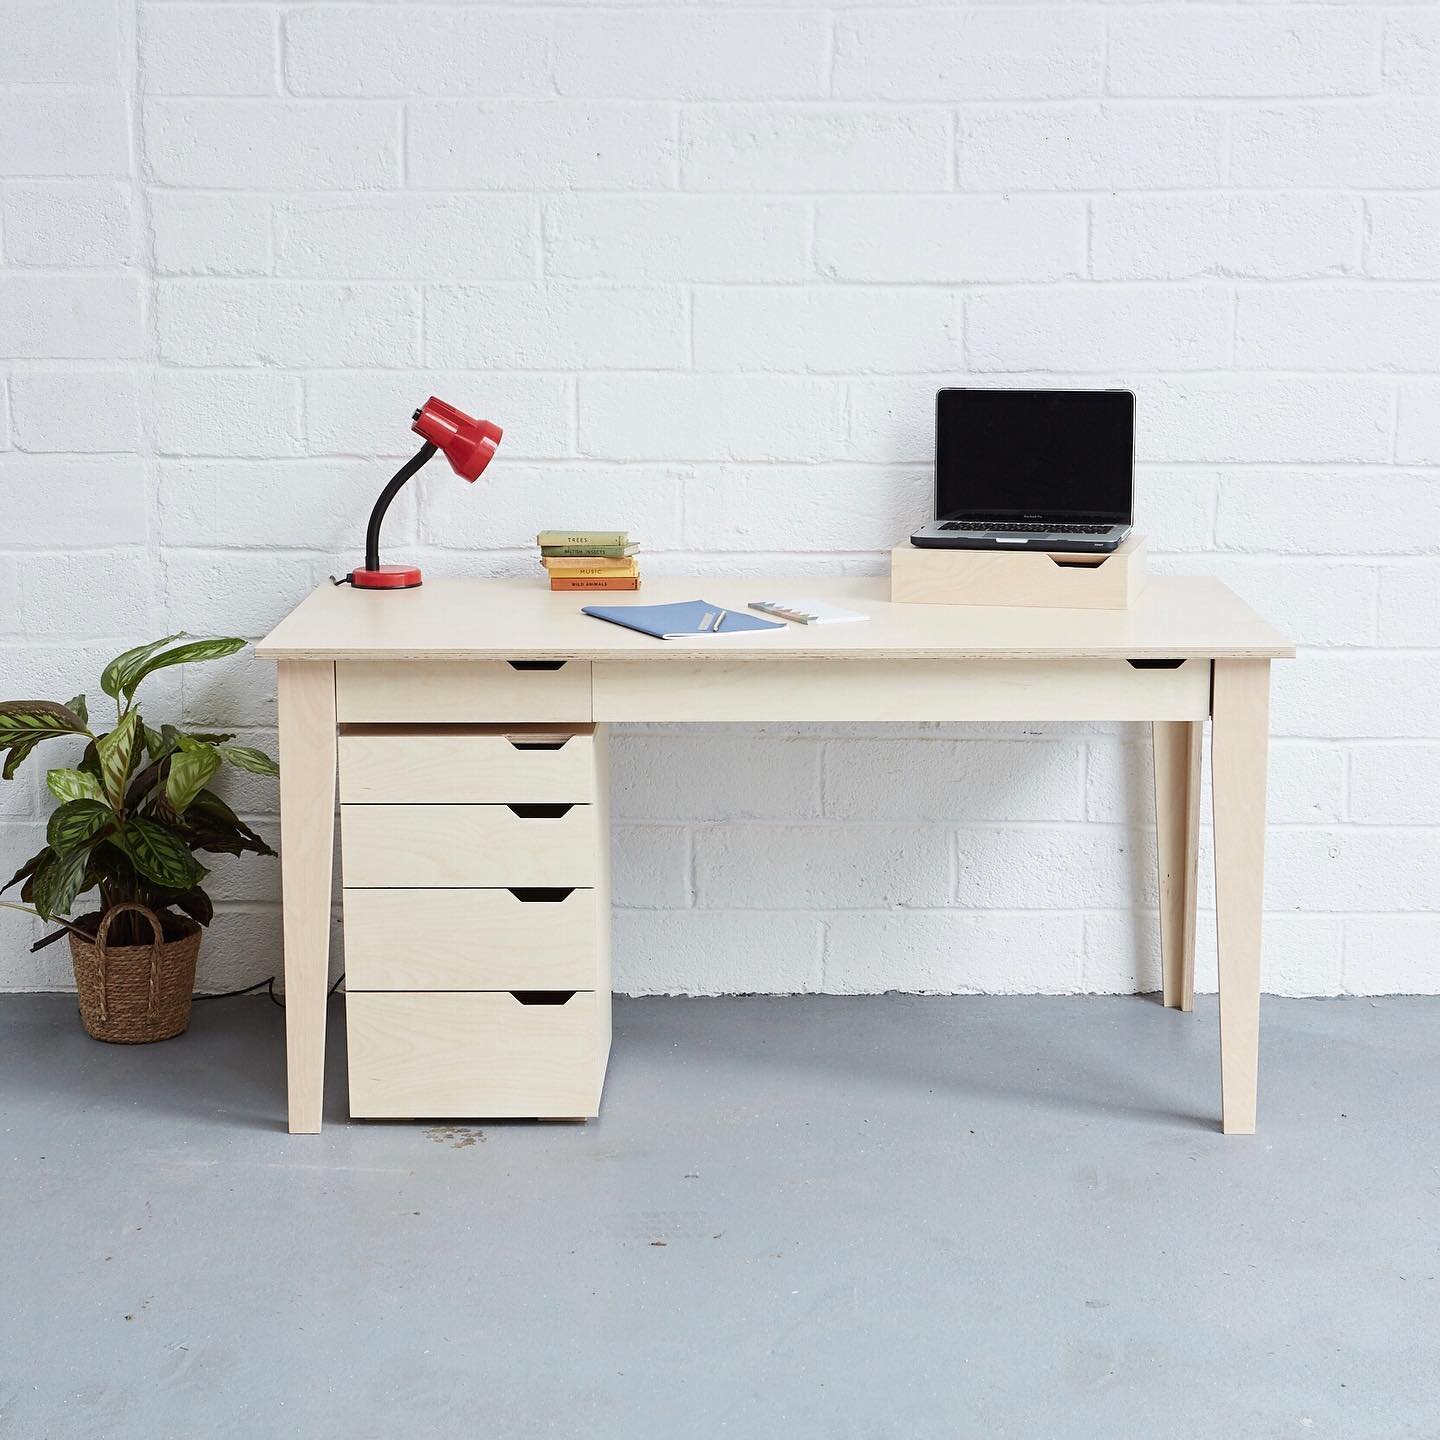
1177 830
307 838
1240 724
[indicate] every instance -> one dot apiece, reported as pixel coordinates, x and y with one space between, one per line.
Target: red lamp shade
467 444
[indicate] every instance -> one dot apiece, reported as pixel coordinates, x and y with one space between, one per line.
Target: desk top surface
520 619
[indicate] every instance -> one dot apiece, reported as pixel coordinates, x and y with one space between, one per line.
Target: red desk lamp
468 445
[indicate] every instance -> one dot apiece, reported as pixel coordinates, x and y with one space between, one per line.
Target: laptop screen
1043 454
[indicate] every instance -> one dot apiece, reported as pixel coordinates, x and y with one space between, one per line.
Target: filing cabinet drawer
467 845
484 1054
468 766
470 940
469 691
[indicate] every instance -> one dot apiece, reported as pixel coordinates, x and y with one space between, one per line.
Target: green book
586 538
618 551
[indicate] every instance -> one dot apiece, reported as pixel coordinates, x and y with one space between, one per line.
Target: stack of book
589 559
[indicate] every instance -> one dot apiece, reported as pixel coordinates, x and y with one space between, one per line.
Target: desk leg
1240 736
307 838
1177 830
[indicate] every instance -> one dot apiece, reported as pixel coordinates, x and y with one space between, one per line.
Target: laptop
1044 469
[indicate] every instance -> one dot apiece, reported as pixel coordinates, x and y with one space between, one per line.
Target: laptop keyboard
1009 527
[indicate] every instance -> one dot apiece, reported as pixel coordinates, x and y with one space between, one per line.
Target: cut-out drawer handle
543 997
536 664
536 744
1156 664
541 894
536 811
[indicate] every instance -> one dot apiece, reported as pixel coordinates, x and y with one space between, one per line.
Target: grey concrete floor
824 1217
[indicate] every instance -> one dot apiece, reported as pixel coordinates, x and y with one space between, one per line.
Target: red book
593 582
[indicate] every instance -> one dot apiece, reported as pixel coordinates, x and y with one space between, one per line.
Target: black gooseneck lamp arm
372 531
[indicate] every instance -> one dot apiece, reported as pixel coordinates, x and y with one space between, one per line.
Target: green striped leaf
146 785
73 785
115 752
36 720
167 740
58 881
180 655
210 824
15 756
190 770
115 675
246 757
76 823
27 869
196 904
79 706
111 867
89 761
159 854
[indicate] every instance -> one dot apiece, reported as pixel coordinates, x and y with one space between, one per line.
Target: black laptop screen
1040 453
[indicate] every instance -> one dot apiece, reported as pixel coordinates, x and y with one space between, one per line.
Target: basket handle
157 939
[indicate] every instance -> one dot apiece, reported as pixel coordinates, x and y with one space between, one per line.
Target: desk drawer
483 1054
474 691
483 765
466 845
902 690
470 940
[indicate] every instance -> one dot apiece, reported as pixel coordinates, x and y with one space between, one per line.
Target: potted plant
132 813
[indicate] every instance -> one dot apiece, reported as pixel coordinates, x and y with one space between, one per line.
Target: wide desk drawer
821 691
466 766
423 691
471 940
480 845
486 1054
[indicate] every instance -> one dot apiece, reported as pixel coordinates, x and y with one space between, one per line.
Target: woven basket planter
133 994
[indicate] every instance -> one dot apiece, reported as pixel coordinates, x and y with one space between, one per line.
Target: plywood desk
447 664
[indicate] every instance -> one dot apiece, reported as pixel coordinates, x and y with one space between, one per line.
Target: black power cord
269 987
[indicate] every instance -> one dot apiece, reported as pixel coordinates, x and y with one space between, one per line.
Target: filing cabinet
475 869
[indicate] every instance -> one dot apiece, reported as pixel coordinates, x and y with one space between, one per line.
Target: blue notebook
680 621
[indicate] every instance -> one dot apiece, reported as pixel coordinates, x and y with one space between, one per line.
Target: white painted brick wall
540 146
1230 52
70 317
1299 235
75 410
1085 146
707 264
390 237
271 144
68 222
209 49
1412 50
63 132
214 412
951 239
975 51
208 234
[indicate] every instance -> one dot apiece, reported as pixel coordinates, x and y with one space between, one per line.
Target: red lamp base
387 577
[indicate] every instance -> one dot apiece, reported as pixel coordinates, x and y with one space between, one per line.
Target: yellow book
583 537
576 567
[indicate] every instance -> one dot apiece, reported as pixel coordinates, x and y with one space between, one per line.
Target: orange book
594 582
572 570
